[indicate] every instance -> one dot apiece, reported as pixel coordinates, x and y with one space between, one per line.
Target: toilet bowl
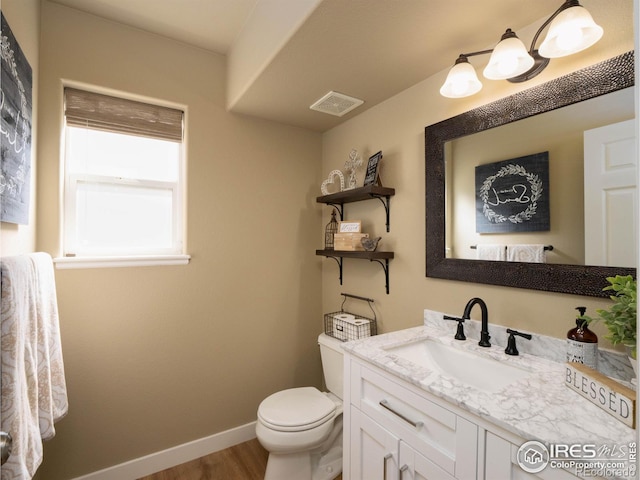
301 428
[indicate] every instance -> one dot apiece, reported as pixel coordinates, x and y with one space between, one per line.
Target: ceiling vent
337 104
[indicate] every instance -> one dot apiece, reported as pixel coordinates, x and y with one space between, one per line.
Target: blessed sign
609 395
513 195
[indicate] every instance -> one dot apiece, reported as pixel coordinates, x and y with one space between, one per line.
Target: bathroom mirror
594 81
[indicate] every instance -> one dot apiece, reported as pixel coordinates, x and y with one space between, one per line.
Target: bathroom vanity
420 405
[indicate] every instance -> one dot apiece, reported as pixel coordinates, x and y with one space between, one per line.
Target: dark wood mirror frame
608 76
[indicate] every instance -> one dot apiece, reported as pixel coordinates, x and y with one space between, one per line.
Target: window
123 178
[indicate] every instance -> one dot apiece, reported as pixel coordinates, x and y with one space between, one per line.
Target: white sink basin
474 370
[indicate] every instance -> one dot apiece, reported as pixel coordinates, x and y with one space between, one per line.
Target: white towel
526 253
491 251
33 389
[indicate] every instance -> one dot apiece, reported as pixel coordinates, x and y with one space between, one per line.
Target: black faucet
484 333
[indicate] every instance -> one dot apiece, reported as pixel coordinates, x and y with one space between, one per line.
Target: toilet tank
332 363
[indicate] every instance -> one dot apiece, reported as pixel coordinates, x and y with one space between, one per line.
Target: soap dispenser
582 343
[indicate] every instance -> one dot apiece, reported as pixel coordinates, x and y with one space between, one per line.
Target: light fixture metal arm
564 6
464 56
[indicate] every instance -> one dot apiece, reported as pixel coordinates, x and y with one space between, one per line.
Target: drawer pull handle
385 404
403 469
384 465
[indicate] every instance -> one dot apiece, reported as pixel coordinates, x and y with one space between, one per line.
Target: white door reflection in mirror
610 197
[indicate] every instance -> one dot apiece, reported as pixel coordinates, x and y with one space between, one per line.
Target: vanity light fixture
571 30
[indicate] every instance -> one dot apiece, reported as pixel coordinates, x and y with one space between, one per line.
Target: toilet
301 428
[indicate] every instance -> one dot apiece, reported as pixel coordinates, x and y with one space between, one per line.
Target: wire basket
346 326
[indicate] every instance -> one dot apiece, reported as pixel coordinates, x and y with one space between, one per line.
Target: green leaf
621 317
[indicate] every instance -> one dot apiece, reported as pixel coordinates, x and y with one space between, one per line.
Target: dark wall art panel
15 130
513 195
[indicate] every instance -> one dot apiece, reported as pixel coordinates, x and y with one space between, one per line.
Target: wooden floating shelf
379 257
355 254
357 194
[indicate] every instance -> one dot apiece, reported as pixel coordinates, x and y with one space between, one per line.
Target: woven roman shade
118 115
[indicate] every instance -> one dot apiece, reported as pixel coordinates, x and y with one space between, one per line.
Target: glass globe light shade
461 81
572 31
509 59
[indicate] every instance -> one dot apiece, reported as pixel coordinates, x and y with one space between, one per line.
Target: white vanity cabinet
394 433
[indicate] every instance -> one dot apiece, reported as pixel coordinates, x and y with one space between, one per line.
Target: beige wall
160 356
397 128
23 17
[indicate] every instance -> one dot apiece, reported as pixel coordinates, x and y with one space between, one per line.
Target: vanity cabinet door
374 450
414 466
501 463
497 458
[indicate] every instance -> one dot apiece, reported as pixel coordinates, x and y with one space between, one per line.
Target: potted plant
620 318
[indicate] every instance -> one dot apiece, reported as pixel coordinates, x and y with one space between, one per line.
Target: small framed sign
372 175
513 195
350 227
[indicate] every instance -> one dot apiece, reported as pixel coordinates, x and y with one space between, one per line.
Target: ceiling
369 49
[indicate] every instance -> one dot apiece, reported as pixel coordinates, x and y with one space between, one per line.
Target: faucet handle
511 342
460 331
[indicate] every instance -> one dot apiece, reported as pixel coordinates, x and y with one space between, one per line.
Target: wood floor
246 461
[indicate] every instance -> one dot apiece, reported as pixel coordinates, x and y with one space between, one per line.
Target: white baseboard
171 457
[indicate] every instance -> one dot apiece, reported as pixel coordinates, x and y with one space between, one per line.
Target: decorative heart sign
330 181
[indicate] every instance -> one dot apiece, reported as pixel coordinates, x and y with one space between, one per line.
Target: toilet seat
296 409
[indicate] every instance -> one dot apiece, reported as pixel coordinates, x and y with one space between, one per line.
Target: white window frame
74 256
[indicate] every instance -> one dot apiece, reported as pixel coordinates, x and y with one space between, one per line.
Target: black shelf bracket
340 209
386 203
339 262
385 267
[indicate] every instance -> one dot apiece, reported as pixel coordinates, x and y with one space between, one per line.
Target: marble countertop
539 407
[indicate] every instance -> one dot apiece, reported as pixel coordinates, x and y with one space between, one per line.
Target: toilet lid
296 409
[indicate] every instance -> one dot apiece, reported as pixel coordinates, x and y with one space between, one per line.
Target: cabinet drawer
436 432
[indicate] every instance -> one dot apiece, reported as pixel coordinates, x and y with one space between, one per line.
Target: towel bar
546 247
